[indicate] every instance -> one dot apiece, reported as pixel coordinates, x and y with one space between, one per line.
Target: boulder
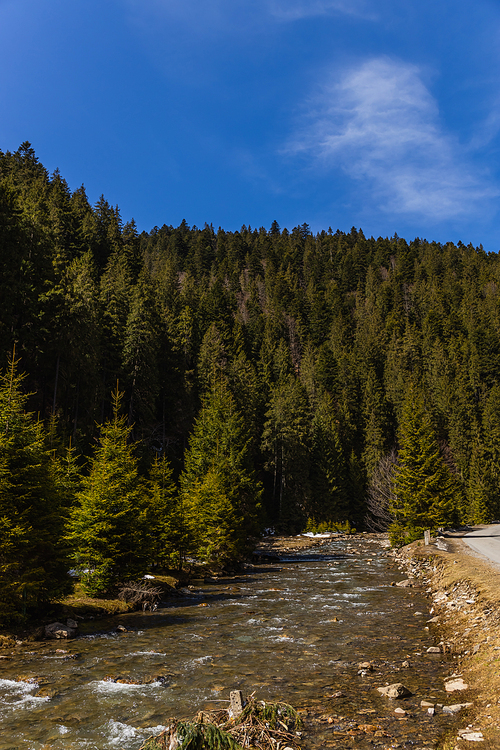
397 690
456 684
455 709
59 630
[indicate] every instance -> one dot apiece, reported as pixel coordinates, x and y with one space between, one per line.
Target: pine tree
217 533
328 469
219 444
166 522
426 492
34 556
108 523
286 444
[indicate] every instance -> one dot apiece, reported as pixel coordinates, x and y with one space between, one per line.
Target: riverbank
79 607
465 591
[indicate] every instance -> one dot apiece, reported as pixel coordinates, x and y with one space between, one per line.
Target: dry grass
471 630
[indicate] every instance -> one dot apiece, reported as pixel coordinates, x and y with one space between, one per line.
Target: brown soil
465 589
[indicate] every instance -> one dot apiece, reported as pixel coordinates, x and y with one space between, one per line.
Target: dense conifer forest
171 393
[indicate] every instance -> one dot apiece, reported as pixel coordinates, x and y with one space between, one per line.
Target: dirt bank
465 590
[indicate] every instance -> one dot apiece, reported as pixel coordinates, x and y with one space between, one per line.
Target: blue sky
381 114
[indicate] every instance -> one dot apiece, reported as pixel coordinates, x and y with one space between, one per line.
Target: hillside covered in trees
193 385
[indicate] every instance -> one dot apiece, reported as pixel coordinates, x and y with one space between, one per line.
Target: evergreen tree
108 523
165 517
219 444
425 490
329 500
217 532
34 556
286 444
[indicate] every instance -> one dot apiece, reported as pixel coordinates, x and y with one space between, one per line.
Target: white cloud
293 10
224 14
380 124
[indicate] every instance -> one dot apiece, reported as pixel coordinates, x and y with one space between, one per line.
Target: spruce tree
426 494
328 466
166 521
108 523
219 444
217 532
34 558
286 444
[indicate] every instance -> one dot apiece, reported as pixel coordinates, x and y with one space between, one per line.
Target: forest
171 393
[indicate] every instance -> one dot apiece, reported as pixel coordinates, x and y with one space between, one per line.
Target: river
294 631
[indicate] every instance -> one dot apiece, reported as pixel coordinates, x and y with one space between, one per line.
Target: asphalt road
486 541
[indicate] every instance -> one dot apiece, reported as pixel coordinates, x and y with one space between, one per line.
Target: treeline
317 343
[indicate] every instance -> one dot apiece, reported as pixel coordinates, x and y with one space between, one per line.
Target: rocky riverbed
465 622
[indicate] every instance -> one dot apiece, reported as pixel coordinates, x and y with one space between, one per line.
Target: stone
338 694
236 703
470 735
72 623
431 711
58 630
400 711
433 650
405 584
367 666
406 665
121 628
456 684
396 690
456 708
433 620
426 704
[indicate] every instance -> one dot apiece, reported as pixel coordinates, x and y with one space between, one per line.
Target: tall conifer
108 527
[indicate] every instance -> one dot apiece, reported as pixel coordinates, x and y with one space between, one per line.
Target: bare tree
380 494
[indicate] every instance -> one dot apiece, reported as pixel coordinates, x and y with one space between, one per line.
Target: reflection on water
293 632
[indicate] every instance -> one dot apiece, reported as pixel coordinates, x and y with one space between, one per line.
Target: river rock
456 684
59 630
72 623
397 690
470 735
366 666
456 708
405 584
433 650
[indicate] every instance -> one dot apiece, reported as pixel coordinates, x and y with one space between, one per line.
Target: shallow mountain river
294 631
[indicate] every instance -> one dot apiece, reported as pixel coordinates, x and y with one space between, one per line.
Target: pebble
434 650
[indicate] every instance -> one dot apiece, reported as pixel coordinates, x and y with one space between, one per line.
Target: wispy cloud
294 10
380 124
224 14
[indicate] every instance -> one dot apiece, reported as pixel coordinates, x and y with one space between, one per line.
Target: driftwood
142 595
261 725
